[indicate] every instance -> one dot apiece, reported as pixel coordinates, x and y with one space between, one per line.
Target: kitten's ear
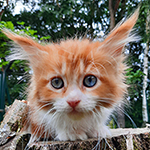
28 50
116 40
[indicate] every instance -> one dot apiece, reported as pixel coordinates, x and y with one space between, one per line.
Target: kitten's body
76 84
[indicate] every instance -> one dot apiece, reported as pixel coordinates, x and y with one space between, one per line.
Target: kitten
76 84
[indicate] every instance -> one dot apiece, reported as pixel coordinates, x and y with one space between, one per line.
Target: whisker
52 117
101 101
102 67
111 64
66 52
26 76
94 62
108 144
96 114
106 100
114 60
41 107
124 112
33 111
41 122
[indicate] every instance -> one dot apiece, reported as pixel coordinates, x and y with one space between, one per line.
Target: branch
113 6
112 15
1 13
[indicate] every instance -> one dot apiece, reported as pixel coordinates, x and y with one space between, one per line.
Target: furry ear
116 40
28 50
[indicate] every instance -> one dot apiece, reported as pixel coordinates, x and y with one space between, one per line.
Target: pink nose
73 103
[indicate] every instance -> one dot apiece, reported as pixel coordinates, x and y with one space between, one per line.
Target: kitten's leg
71 135
79 134
62 136
101 132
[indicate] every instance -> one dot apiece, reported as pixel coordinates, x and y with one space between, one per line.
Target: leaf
20 23
45 38
9 25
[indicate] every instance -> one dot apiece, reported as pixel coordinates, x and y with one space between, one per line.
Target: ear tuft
27 48
23 41
120 35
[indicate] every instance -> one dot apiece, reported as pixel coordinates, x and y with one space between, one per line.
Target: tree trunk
112 15
144 103
5 5
120 117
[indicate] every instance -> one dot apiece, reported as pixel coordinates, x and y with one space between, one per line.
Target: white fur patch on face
82 66
74 93
64 128
63 70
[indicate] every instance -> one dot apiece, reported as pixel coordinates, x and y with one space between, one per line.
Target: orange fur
73 60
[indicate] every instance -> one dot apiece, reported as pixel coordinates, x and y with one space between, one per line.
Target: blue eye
89 81
57 83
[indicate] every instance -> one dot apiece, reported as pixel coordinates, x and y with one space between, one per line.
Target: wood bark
121 139
15 117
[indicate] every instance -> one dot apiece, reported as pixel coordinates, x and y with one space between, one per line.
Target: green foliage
134 77
7 24
135 74
18 65
134 80
62 19
4 47
112 124
15 75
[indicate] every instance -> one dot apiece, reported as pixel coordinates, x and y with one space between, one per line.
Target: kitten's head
76 77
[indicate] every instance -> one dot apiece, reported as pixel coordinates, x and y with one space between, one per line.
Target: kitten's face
77 77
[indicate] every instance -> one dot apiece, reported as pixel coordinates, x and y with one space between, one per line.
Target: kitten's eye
57 83
89 81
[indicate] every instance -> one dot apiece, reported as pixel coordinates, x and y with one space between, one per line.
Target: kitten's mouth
75 115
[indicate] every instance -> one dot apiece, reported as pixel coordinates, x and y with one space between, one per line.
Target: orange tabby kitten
76 84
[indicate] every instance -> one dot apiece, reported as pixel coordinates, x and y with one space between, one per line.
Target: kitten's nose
73 103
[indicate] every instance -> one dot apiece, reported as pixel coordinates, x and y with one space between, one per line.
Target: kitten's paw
72 136
104 131
62 137
79 135
101 132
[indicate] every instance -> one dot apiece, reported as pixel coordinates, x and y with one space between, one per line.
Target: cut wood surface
15 116
121 139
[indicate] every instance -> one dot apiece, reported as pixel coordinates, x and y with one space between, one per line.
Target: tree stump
121 139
